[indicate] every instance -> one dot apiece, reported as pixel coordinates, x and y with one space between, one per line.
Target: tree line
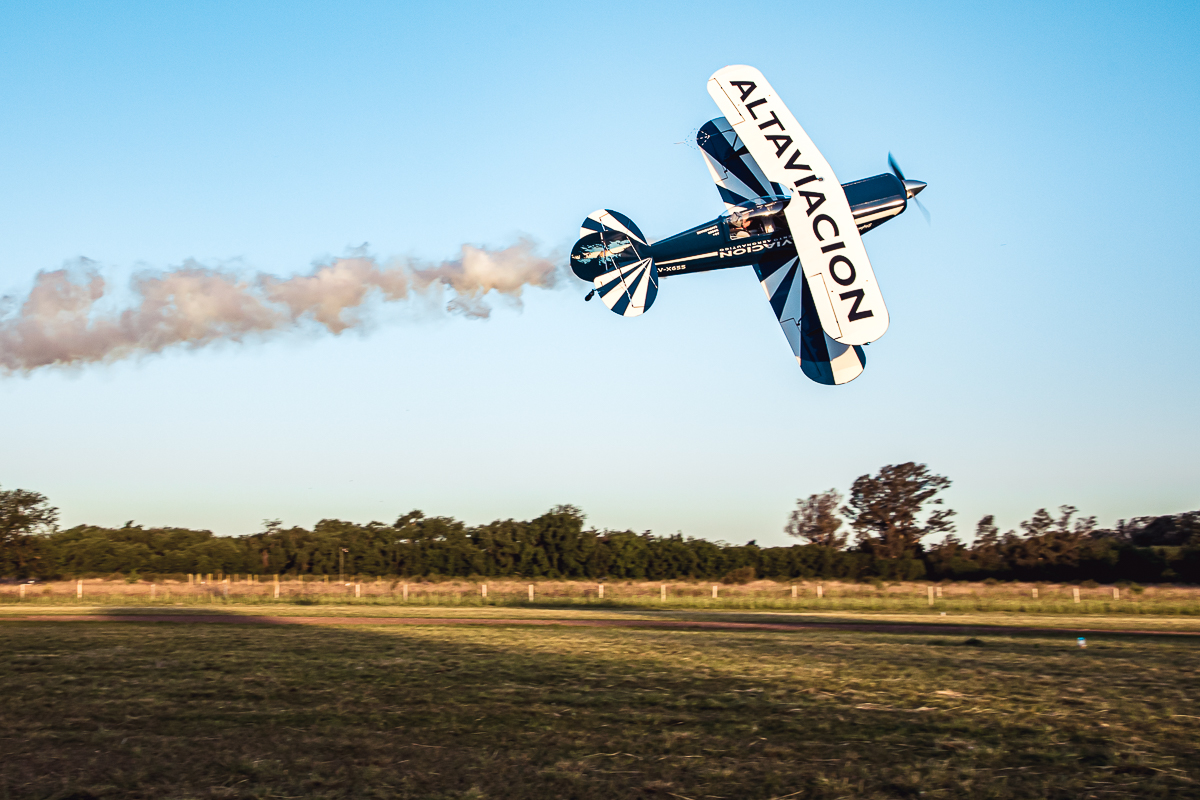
879 531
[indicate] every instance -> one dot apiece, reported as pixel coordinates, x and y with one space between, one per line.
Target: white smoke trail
61 322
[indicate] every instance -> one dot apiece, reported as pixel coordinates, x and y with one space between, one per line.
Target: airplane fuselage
738 238
708 247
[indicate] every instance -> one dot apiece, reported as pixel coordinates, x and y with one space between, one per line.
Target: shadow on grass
258 710
528 614
944 626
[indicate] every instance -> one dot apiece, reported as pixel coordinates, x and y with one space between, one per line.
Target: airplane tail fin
614 256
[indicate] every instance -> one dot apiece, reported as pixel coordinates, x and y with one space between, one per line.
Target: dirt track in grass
873 627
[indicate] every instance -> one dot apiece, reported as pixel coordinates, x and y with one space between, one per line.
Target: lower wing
735 172
821 358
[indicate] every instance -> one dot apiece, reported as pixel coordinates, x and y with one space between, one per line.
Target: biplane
786 215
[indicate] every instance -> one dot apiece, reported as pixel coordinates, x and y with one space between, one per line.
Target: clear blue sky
1043 347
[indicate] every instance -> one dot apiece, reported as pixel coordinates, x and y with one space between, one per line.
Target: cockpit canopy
762 216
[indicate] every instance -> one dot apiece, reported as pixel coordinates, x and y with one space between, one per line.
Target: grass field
95 709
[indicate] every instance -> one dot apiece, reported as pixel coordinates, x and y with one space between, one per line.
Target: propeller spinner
911 188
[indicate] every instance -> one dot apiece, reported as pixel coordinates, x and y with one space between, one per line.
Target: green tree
886 509
630 554
559 534
25 517
816 520
1052 547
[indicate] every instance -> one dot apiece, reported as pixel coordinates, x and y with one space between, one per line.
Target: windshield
762 216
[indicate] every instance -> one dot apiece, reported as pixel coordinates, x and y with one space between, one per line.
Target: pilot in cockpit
756 218
740 226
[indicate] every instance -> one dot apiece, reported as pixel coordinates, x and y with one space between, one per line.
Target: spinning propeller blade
913 188
924 212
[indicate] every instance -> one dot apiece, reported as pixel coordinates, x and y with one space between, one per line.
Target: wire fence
210 589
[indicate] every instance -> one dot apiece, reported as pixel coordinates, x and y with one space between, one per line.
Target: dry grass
209 711
933 622
834 596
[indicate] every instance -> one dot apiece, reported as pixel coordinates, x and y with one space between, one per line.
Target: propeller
912 188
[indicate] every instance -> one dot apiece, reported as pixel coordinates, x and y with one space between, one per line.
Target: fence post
930 595
938 591
22 591
1116 593
820 591
601 591
483 591
79 588
1035 597
793 591
276 585
406 592
1075 593
357 589
714 591
531 592
662 592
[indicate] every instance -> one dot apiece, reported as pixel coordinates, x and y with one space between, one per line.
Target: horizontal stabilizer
608 220
630 289
614 257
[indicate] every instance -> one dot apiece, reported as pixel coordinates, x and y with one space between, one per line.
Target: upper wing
733 169
739 178
821 358
873 201
835 264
